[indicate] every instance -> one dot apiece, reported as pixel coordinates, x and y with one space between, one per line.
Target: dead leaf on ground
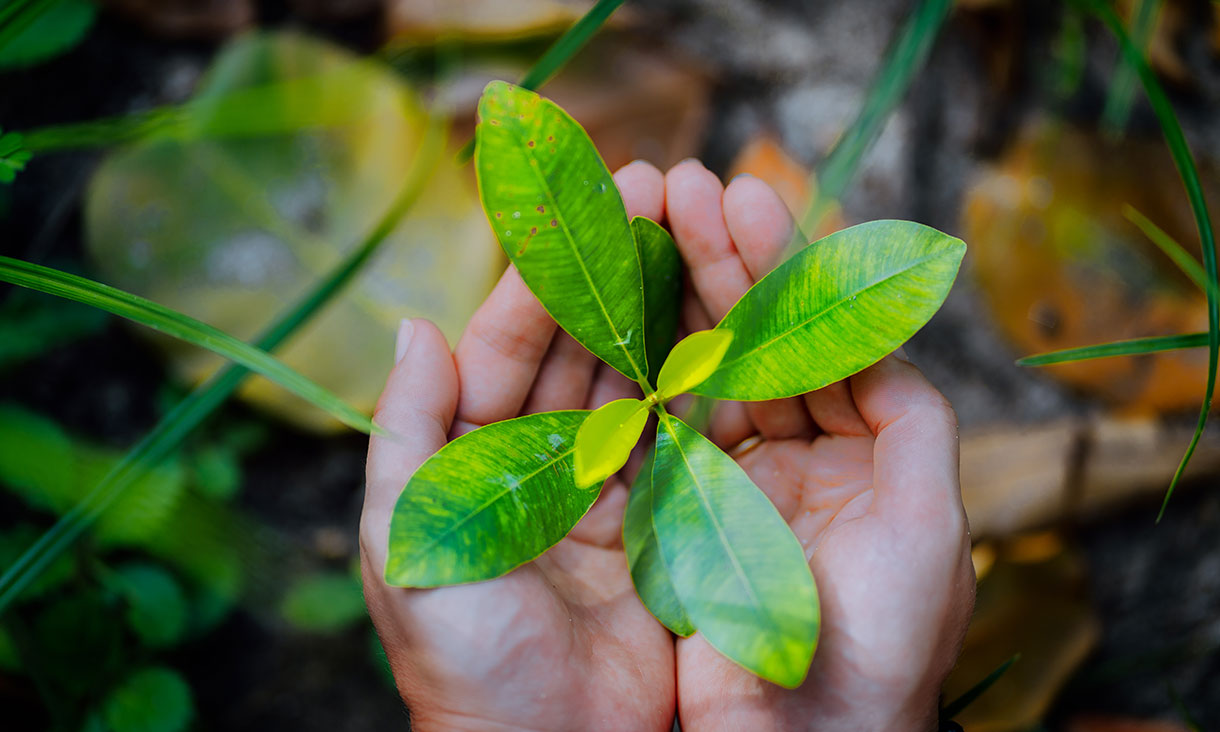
1060 265
237 223
1032 601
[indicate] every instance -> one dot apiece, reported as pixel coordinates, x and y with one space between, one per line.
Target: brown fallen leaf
187 18
234 227
483 20
1034 602
1060 265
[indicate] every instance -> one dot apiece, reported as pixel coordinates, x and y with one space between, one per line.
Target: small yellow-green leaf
692 360
605 439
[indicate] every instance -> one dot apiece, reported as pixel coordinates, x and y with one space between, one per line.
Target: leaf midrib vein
488 503
724 540
793 328
559 216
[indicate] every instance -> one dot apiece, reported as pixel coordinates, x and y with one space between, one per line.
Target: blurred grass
153 315
196 407
904 59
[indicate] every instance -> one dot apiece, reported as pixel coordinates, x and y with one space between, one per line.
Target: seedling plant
707 550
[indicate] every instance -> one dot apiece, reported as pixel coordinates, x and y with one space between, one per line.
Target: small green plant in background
707 549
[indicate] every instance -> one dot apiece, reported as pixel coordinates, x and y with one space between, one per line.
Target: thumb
416 410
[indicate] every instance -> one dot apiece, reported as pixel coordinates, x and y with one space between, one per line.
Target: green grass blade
1133 347
903 60
1122 84
1185 163
158 317
1175 251
568 44
958 705
199 404
560 52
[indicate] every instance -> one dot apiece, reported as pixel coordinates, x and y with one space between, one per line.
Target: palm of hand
563 642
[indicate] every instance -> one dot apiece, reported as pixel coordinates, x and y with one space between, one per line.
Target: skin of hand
865 472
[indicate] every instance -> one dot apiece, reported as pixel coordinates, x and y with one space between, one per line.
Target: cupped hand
561 643
865 471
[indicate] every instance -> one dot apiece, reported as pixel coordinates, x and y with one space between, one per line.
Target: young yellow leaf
692 360
605 439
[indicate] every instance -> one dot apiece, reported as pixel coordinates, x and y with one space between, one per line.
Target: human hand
865 473
562 642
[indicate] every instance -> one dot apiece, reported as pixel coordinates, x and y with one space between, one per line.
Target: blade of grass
903 60
199 404
1175 251
1185 164
1122 84
176 324
958 705
560 52
1133 347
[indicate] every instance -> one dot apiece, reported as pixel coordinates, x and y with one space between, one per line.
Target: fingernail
686 161
900 353
402 342
741 175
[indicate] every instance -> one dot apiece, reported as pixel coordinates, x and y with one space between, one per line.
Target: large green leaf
488 502
662 290
837 306
648 571
556 212
156 605
736 567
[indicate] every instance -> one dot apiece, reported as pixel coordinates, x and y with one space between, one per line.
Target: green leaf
1185 163
488 502
156 606
178 325
662 266
13 156
46 31
648 571
605 440
1133 347
834 308
693 360
556 212
736 568
324 602
216 471
154 699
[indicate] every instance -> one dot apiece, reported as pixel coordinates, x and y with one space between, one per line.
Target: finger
564 378
642 187
915 455
834 411
696 219
499 354
760 226
758 222
416 409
